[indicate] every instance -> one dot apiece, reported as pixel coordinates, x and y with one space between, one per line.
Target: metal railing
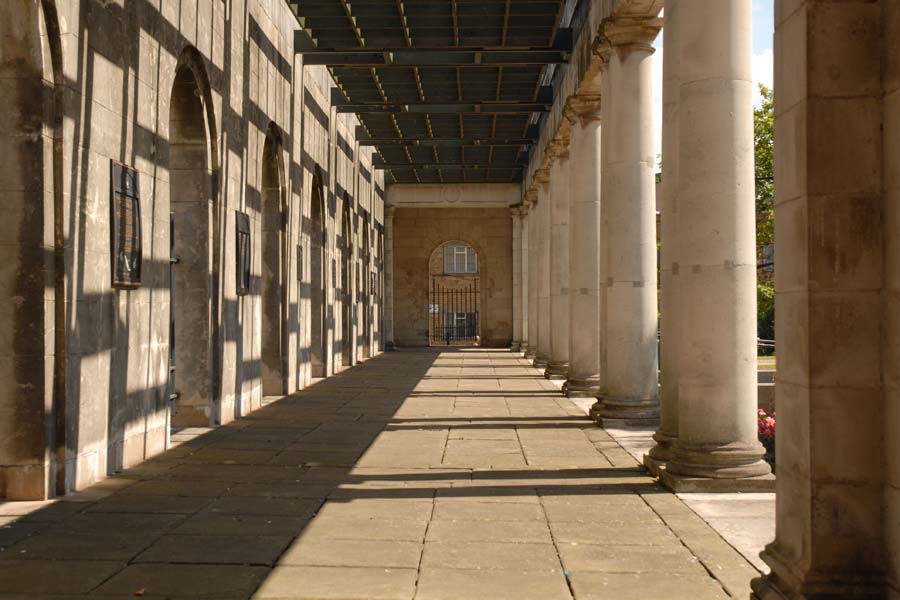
453 312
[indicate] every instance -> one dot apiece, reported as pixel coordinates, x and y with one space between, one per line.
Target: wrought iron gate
453 313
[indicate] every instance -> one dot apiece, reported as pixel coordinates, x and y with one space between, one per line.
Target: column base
683 483
630 412
785 583
655 467
661 453
541 361
557 370
734 467
530 352
581 388
515 346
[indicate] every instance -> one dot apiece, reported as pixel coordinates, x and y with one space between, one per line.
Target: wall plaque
125 226
299 262
242 253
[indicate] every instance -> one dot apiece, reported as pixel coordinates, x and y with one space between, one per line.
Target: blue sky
763 57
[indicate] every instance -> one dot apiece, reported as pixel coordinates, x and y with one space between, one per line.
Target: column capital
530 199
584 107
559 147
629 35
542 175
518 210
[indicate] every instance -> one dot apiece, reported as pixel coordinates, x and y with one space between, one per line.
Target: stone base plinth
540 362
530 353
623 422
576 388
557 371
614 411
515 347
681 483
784 582
655 467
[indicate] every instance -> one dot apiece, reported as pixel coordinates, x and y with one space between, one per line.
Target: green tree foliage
764 149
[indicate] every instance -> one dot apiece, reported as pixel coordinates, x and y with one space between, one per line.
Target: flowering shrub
765 427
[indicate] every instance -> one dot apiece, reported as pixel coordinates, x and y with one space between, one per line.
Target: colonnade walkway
432 474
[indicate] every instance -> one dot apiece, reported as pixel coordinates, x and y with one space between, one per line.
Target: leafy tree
764 150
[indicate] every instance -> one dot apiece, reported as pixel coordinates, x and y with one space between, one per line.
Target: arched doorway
32 322
274 261
317 244
365 290
346 284
192 224
454 295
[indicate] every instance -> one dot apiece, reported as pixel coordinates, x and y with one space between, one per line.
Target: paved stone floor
418 474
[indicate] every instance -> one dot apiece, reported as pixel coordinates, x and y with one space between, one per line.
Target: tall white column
388 277
717 444
632 392
668 216
585 269
558 365
523 261
533 279
543 275
516 215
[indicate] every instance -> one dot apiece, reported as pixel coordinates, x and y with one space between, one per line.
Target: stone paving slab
441 474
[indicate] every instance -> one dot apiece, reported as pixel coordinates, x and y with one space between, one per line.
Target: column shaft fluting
543 272
716 266
585 270
558 366
668 215
632 393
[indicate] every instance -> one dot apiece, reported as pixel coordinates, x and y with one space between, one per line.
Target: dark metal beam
429 57
489 108
429 166
449 142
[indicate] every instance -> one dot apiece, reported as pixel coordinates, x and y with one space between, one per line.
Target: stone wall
418 232
190 95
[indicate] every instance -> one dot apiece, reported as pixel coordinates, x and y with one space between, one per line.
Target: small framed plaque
125 226
242 254
372 283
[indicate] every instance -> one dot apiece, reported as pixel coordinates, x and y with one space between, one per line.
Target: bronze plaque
242 255
125 226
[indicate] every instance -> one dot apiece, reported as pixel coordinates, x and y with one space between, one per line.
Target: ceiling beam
427 166
489 108
449 142
428 57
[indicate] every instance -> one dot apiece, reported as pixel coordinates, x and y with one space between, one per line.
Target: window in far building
460 259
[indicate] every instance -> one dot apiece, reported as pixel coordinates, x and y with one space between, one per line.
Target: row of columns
589 282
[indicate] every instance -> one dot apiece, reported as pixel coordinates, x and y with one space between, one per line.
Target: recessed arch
454 294
274 265
194 244
317 244
365 287
347 303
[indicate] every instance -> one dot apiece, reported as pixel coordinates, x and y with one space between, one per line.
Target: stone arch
274 265
32 406
195 244
365 287
347 303
455 298
317 265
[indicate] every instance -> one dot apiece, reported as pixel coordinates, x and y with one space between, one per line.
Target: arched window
460 259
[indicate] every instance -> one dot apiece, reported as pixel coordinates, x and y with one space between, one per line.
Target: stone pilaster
632 393
585 268
668 208
516 214
717 446
388 277
523 261
558 365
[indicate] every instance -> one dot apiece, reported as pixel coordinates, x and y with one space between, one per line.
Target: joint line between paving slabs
424 539
562 566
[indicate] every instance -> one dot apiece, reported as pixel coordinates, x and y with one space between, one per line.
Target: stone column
516 215
523 261
717 446
837 298
585 269
542 358
558 366
632 391
532 259
388 277
668 215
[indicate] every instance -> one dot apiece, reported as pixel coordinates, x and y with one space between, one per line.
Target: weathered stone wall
418 232
118 99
